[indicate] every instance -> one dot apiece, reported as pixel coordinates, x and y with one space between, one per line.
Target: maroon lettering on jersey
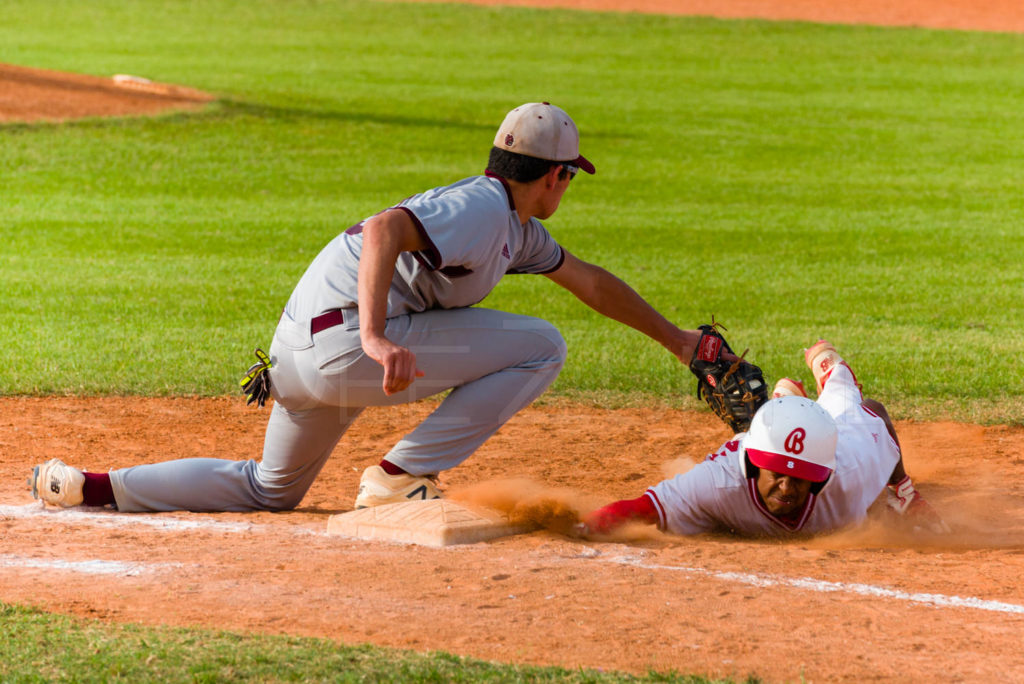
709 349
505 252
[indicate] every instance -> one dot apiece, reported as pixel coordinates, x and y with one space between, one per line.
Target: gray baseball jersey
474 238
716 495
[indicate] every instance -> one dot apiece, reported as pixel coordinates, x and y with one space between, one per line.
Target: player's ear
551 177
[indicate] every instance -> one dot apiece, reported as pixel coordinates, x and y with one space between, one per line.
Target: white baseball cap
544 131
793 436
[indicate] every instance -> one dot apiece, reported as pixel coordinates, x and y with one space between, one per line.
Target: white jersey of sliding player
716 495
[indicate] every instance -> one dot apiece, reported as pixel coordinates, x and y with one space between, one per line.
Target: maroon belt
325 321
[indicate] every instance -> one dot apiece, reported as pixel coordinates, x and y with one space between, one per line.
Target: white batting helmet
793 436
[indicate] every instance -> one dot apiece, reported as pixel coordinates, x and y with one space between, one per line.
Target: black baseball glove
256 381
734 390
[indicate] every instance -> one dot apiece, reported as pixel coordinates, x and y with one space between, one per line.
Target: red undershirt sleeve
604 520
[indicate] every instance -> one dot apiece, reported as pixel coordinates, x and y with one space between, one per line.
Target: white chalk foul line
102 518
823 586
88 567
166 524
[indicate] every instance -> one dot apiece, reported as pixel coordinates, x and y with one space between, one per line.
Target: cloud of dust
677 466
527 502
978 503
981 502
557 509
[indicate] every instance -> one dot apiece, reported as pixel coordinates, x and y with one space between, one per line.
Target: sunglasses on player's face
573 170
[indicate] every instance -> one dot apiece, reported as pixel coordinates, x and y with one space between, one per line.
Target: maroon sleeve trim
561 260
431 256
504 184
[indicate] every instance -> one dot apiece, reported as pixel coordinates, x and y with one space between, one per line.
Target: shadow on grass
226 109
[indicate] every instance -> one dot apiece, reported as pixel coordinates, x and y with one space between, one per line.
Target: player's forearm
376 270
607 519
613 298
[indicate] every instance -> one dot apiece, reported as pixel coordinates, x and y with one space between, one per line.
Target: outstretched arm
606 519
610 296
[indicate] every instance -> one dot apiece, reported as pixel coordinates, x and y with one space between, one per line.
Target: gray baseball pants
495 363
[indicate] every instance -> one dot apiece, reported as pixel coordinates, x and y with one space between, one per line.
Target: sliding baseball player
803 467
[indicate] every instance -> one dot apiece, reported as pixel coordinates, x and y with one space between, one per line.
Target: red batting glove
918 513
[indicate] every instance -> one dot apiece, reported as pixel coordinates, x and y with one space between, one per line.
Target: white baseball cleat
57 483
821 358
787 387
377 488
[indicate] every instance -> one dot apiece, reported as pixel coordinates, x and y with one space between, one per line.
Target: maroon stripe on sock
391 469
97 490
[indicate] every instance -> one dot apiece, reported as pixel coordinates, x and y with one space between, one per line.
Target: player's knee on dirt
286 501
279 495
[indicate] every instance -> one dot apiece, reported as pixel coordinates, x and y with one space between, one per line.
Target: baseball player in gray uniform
802 467
385 315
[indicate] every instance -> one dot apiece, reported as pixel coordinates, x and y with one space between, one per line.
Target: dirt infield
891 606
869 605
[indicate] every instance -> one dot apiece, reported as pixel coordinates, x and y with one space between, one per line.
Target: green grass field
38 647
794 180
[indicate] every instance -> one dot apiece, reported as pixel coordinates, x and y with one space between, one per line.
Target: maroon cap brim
584 164
787 465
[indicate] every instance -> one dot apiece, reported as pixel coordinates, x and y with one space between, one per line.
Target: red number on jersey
733 446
